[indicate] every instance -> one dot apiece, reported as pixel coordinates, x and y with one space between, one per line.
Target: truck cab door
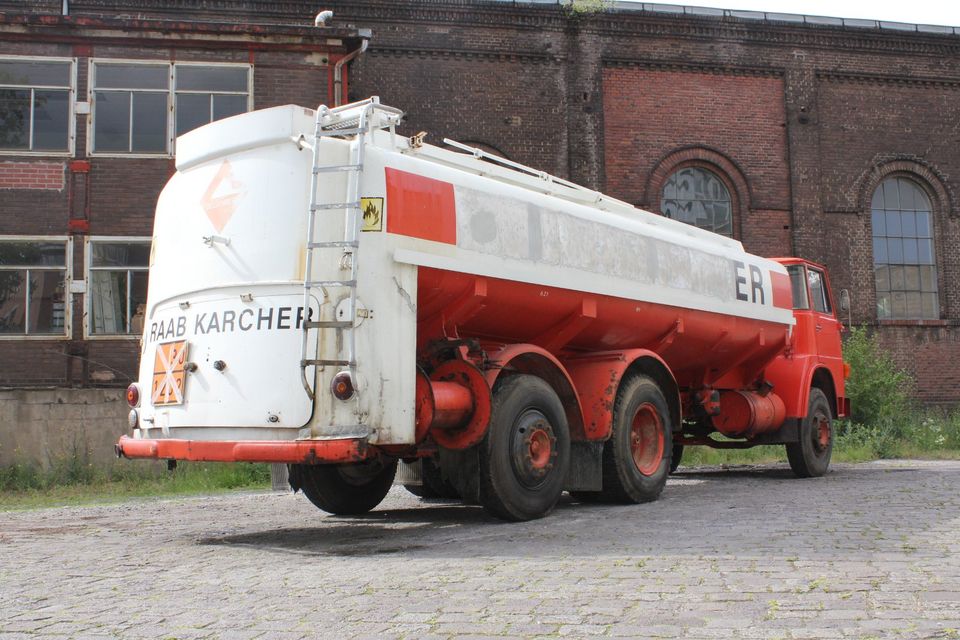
826 327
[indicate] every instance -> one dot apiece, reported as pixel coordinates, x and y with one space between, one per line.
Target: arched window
699 197
903 254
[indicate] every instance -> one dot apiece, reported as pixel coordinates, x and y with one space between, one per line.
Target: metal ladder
349 120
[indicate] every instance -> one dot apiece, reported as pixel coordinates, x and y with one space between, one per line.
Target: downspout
338 70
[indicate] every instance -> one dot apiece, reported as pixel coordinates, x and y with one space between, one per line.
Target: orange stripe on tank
782 295
420 207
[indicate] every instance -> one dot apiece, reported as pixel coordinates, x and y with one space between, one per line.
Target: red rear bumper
290 451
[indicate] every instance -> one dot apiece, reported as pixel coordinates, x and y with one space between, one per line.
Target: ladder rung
327 324
335 205
339 132
310 284
338 167
329 245
327 363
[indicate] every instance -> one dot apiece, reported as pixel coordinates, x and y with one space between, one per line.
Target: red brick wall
32 175
120 200
608 100
509 104
766 233
650 113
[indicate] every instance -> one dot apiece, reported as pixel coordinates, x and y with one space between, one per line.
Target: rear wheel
810 457
526 452
636 458
345 489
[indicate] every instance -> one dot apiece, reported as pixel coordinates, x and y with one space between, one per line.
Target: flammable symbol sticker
222 196
372 209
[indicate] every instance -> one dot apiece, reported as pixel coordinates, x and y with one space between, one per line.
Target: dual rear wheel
525 455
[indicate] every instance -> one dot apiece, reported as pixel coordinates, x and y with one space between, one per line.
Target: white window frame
67 289
171 100
88 333
174 89
71 108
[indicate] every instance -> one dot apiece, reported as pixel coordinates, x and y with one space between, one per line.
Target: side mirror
844 300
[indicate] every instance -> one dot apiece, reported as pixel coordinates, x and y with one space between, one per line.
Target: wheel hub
533 448
646 439
821 433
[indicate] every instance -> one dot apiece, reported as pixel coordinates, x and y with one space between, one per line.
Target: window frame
67 287
924 188
720 177
825 298
805 289
88 267
71 108
171 91
174 89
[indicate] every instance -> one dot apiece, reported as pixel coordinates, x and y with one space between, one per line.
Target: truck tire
345 489
810 457
636 458
526 451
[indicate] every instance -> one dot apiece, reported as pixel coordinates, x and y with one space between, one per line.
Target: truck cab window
818 291
797 287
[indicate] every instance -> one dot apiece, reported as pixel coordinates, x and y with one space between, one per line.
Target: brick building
835 140
92 96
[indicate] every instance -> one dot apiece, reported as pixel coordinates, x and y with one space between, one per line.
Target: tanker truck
328 294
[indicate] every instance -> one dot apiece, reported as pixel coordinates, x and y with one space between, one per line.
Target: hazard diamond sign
169 374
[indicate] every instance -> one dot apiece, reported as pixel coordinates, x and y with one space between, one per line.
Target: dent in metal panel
491 224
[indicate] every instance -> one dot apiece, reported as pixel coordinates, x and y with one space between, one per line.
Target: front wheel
526 452
345 489
810 457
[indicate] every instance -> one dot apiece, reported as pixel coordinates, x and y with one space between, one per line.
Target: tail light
133 395
342 386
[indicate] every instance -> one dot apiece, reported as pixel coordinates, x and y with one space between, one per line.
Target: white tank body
229 260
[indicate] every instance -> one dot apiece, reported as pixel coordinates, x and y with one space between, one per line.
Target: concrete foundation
47 426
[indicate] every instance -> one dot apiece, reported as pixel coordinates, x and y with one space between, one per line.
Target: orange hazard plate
169 375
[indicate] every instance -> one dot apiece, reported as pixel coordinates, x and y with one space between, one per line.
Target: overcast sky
942 12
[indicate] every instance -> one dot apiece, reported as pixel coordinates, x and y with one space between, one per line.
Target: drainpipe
338 68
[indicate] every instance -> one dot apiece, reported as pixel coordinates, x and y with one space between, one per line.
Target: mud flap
462 470
586 467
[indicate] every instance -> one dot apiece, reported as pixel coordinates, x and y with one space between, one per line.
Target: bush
878 389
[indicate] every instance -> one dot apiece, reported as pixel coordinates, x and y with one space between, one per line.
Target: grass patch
72 481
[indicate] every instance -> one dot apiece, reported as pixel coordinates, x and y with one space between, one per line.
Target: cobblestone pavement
869 551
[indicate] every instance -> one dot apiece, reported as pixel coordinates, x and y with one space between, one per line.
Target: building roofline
778 17
179 32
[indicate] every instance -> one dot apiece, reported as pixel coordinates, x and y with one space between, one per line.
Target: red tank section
701 348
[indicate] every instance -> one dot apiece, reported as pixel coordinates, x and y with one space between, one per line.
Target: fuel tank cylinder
744 414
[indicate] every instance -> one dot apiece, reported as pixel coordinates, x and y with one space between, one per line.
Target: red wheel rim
646 439
822 433
539 448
